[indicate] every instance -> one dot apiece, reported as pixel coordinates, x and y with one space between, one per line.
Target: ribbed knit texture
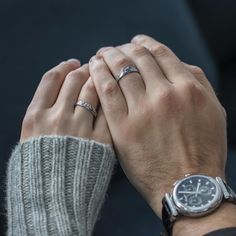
56 185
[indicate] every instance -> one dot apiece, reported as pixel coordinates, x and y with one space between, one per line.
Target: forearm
56 186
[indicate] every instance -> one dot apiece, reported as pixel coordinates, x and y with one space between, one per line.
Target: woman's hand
63 179
53 111
165 121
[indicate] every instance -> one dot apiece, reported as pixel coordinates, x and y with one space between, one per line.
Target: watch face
197 194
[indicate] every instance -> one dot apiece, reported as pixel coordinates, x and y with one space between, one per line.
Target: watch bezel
188 211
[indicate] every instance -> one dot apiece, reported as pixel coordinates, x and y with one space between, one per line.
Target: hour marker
213 188
207 182
190 181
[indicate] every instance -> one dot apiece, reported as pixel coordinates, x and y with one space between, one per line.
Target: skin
165 122
52 111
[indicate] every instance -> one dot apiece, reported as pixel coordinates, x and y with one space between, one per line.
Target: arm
58 174
171 119
56 185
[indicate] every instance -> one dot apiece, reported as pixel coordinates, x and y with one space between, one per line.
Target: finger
49 87
71 87
148 68
111 98
200 76
132 84
169 63
101 130
103 49
83 116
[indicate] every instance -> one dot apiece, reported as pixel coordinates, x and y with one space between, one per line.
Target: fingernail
74 60
137 37
102 50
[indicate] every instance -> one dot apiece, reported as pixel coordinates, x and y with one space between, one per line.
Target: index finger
170 64
111 98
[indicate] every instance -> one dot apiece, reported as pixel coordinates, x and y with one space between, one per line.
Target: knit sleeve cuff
56 185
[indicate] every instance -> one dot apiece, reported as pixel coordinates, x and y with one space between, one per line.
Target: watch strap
168 225
229 194
232 195
169 214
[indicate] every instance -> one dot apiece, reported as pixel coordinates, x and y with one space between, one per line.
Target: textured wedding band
125 71
87 106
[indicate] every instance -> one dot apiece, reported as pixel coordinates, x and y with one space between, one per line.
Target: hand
165 122
52 110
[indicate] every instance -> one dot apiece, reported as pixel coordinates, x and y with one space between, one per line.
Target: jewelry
87 106
125 71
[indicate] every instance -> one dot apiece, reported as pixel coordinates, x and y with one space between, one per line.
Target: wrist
167 187
196 204
223 217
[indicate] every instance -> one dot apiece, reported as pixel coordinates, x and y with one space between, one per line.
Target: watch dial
196 192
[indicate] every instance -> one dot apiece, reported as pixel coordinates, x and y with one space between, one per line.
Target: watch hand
187 192
198 185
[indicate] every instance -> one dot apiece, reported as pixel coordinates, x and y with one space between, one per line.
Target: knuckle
194 91
141 38
190 86
165 96
52 75
197 70
68 65
109 88
80 73
89 86
160 50
64 64
138 51
98 66
167 102
121 62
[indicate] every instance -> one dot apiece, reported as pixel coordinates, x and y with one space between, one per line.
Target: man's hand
165 122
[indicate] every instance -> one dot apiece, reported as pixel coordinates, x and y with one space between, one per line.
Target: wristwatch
194 196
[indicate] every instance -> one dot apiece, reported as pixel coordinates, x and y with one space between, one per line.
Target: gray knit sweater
56 185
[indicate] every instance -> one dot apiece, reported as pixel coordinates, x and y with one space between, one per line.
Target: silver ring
125 71
87 106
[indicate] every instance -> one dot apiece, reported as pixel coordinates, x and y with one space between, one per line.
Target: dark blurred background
36 35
